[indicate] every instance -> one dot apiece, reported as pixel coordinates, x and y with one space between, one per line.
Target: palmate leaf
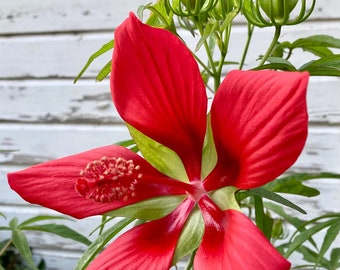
100 242
105 48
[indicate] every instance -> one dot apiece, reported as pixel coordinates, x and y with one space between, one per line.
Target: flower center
197 190
109 179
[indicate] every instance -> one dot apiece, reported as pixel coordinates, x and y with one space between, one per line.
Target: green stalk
246 47
9 242
272 44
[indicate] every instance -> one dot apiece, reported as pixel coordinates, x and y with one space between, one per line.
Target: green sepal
225 198
161 157
150 209
191 235
209 154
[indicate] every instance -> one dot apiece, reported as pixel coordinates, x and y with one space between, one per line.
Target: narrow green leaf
1 268
263 221
42 218
20 242
100 242
106 47
104 72
291 185
150 209
60 230
264 193
325 66
305 235
331 235
317 40
161 157
3 215
335 258
277 63
210 28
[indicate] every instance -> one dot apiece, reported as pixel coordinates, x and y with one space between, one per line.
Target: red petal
259 120
157 88
52 184
149 246
231 241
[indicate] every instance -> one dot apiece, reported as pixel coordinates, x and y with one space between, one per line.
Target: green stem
246 47
272 44
9 242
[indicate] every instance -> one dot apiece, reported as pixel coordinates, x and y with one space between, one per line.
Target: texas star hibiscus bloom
192 163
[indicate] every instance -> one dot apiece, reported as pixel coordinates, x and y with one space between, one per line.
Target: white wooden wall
43 115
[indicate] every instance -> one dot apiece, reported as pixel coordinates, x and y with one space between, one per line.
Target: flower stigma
109 179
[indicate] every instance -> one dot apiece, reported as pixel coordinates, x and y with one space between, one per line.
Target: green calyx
278 10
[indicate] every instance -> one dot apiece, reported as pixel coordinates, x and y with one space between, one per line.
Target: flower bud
185 8
277 12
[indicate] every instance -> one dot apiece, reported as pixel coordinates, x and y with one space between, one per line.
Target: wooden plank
60 101
21 16
38 143
321 151
34 16
57 101
63 56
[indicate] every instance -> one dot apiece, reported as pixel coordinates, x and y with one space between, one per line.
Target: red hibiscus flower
192 162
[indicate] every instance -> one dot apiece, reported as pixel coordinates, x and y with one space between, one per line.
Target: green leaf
191 236
305 235
100 242
331 235
20 242
291 185
161 157
104 72
106 47
264 193
335 258
1 268
60 230
3 215
41 218
325 66
150 209
263 221
277 63
317 44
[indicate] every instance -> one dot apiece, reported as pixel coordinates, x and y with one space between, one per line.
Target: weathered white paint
44 44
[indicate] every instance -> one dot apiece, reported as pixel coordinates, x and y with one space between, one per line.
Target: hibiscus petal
259 121
157 88
52 184
231 241
149 246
